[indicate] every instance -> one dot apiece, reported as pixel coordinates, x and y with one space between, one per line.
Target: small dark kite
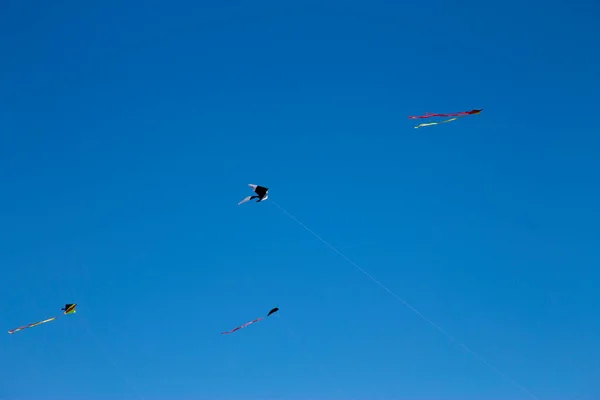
262 193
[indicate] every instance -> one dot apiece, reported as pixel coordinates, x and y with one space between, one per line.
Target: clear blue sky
130 130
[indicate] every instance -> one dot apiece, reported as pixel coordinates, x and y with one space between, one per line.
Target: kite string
413 309
107 356
307 353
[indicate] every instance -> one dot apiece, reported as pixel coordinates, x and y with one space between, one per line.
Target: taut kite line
408 305
68 309
454 115
274 310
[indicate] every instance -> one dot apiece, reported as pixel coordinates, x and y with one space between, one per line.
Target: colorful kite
251 322
455 115
68 309
262 193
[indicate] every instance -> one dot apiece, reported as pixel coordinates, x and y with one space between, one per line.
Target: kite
68 309
454 115
262 193
251 322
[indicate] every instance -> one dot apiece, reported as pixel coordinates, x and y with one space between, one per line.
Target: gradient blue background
129 131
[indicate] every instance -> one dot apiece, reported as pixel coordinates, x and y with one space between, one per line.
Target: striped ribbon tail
242 326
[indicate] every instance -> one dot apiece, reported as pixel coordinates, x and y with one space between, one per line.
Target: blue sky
129 131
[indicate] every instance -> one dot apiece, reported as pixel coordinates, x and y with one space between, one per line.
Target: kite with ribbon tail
455 116
68 309
274 310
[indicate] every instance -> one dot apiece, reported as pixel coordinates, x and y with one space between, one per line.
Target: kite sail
262 193
274 310
454 115
68 309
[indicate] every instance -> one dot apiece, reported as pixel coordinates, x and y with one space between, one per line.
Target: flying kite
454 115
262 193
68 309
274 310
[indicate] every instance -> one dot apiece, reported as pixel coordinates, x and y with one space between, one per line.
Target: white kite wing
245 200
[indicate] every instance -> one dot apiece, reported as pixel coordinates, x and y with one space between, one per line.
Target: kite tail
430 115
242 326
437 123
34 324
